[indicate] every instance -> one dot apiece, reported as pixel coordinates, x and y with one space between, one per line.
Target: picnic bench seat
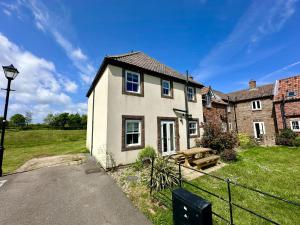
178 158
211 160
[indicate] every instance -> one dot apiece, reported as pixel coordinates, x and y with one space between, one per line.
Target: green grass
21 146
272 169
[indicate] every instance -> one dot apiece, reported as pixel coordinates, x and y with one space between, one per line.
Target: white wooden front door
168 137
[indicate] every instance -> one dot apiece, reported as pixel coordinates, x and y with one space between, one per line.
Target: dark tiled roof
247 94
144 61
218 97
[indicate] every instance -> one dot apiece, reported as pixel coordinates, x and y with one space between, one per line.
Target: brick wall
217 112
292 111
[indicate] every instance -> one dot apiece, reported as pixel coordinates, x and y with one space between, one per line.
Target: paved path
62 195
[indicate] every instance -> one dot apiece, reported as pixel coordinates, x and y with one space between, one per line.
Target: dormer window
191 94
256 105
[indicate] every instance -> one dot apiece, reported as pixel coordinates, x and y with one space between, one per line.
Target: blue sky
58 45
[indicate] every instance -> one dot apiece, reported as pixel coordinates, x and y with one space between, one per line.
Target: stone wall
246 116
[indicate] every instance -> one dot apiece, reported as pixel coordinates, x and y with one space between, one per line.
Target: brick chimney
252 84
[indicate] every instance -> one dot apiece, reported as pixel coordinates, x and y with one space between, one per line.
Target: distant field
21 146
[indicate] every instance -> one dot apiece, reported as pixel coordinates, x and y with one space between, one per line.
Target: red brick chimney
252 84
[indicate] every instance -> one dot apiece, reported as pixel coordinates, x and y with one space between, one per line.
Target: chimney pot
252 84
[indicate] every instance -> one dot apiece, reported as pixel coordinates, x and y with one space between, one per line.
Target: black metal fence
230 203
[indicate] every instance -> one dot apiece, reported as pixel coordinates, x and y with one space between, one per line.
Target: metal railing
229 183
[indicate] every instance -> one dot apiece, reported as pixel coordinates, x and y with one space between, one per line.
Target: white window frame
228 108
290 96
262 125
254 105
196 128
133 82
230 126
191 93
169 89
139 132
291 122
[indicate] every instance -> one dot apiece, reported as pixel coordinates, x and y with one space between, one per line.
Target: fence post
229 200
151 178
179 170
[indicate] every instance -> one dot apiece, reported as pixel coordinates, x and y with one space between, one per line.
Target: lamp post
10 73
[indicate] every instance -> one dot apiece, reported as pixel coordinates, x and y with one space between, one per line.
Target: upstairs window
256 105
166 89
191 94
295 126
132 82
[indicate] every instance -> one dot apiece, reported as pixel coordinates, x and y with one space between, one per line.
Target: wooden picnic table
191 153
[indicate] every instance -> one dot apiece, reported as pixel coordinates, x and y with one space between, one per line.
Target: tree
28 117
49 119
18 120
84 121
74 121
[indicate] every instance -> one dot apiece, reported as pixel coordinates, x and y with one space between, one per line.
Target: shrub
147 153
144 157
286 137
165 175
297 141
215 138
246 141
228 155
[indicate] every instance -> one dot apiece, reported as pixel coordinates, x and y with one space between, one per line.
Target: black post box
190 209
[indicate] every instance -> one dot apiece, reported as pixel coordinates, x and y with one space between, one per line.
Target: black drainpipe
92 135
187 111
236 125
282 109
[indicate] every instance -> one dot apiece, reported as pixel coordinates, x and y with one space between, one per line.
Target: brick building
287 103
215 107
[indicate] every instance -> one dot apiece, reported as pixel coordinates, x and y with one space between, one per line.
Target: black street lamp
10 73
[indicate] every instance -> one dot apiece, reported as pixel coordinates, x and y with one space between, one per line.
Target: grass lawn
271 169
21 146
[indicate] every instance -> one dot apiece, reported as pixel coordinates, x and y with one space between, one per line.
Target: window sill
132 147
133 93
167 96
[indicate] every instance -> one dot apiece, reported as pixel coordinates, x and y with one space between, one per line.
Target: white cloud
48 21
70 86
239 50
39 87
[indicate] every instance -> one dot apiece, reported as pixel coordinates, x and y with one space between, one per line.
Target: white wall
150 106
100 120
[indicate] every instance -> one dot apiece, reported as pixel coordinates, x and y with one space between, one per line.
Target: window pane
135 138
135 87
129 128
172 137
129 77
258 104
166 91
129 139
135 78
165 144
129 86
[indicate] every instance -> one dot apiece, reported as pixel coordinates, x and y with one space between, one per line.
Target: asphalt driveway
77 194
